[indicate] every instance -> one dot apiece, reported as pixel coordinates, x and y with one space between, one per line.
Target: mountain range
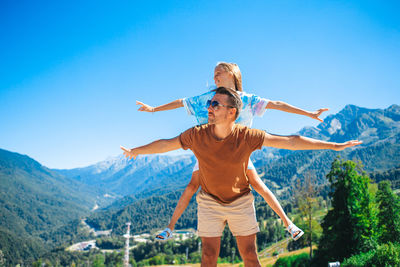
40 208
379 129
120 176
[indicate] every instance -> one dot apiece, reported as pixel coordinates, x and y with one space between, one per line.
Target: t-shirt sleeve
258 105
255 138
197 106
186 138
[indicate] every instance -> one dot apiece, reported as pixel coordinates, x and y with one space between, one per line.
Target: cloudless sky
71 71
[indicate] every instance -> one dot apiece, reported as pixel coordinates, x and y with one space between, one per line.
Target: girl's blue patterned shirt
252 106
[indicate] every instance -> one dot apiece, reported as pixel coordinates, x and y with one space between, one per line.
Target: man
223 149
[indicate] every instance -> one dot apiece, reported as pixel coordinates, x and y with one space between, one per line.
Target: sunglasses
215 104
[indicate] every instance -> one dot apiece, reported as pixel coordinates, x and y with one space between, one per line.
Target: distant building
103 233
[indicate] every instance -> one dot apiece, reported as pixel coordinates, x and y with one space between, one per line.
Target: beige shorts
212 216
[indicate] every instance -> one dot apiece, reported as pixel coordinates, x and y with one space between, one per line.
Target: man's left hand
129 153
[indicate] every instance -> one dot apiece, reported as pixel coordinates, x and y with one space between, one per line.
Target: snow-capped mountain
122 176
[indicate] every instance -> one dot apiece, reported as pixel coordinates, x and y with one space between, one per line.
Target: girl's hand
144 107
315 115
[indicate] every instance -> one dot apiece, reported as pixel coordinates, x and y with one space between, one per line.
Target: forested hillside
36 201
146 214
41 208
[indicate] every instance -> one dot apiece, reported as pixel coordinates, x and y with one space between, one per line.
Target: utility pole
127 236
199 247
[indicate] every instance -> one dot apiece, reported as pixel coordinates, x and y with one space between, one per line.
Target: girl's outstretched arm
172 105
282 106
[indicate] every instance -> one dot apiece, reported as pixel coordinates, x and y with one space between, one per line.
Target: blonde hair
234 69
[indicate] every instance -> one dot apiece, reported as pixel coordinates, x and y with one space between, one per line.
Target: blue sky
71 71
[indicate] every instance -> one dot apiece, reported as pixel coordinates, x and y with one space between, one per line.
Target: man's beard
211 119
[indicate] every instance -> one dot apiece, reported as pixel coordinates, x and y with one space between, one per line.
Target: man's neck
221 131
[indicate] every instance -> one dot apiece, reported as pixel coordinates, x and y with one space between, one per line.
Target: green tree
349 226
305 197
98 261
389 214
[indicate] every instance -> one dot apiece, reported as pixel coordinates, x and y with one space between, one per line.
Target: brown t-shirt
223 164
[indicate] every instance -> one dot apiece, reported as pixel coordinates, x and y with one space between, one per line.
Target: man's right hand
129 153
144 107
341 146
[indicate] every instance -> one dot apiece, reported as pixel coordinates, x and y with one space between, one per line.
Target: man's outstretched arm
159 146
296 142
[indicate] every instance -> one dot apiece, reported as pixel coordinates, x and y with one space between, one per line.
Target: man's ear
233 111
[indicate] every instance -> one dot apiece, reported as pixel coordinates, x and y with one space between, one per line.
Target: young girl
228 75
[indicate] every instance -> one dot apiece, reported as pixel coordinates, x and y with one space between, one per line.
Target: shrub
299 260
195 257
387 255
383 255
359 260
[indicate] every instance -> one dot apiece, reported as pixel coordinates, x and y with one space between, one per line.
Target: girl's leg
184 200
268 196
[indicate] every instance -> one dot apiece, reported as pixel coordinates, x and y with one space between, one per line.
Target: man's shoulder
253 137
247 132
198 128
246 129
241 128
188 138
